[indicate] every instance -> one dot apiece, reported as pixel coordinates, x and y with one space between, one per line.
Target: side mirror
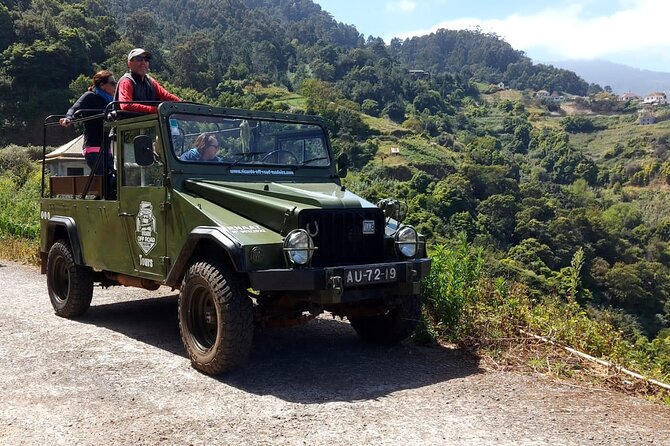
342 165
144 153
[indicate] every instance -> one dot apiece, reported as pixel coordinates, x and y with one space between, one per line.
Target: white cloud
401 6
638 26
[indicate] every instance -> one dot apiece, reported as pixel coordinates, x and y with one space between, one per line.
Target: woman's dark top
92 128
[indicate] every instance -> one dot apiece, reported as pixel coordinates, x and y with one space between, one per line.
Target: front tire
391 327
70 285
215 318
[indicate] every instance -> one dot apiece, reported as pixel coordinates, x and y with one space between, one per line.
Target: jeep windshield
238 141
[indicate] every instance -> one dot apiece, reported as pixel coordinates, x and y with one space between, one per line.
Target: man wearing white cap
137 86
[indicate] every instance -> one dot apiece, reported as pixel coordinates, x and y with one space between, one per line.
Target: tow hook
336 284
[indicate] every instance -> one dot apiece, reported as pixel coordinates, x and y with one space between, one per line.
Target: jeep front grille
338 233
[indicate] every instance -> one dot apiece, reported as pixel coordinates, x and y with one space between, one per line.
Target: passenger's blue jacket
194 155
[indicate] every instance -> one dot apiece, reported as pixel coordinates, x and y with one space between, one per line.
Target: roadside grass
503 321
19 249
20 187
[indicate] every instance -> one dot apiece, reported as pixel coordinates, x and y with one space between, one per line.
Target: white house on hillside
628 96
656 98
556 97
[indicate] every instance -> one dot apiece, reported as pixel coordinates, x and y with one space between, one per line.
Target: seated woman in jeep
206 146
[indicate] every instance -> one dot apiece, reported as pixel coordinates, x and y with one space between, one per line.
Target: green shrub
451 285
466 305
19 204
16 161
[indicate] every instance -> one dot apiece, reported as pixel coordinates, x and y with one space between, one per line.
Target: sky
630 32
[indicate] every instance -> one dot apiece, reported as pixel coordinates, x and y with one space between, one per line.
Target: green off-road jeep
263 233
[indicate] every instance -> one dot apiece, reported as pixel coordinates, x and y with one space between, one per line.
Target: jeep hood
274 205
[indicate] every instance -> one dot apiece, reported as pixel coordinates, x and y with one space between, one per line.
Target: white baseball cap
138 52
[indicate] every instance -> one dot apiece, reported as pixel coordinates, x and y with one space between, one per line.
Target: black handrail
109 113
52 121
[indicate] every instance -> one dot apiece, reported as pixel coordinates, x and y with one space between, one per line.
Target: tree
453 194
318 93
496 215
65 58
359 153
395 111
347 122
7 35
370 107
482 150
421 181
429 100
534 255
621 217
579 124
491 180
640 288
143 31
191 62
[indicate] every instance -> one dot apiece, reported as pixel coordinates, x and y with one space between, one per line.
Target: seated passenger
206 146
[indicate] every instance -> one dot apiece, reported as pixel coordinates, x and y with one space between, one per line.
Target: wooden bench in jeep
73 186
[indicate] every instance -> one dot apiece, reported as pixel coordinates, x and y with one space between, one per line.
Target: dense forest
46 44
570 205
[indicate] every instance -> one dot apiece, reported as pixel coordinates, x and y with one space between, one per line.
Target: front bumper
328 284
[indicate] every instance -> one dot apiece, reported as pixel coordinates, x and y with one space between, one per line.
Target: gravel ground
119 377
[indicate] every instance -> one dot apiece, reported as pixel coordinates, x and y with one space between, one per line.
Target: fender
210 233
72 235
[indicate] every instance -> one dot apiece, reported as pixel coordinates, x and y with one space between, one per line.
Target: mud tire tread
73 301
234 318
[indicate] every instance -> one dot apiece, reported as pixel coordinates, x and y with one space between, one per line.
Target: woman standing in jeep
94 101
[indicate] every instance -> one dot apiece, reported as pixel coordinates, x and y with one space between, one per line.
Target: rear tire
70 285
391 327
215 318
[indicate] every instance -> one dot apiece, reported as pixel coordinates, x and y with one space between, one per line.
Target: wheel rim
203 319
61 280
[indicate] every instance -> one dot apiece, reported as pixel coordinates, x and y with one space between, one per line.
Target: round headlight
299 247
407 241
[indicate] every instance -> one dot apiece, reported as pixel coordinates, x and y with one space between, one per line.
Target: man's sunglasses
142 59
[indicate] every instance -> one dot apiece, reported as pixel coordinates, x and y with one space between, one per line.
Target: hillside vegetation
551 218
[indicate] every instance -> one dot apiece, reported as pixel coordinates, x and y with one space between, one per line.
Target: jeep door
142 199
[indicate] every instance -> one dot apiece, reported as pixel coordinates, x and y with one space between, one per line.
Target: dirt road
119 376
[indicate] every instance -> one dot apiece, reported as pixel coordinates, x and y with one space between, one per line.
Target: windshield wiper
313 159
243 156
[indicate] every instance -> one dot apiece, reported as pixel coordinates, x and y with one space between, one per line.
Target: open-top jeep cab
265 232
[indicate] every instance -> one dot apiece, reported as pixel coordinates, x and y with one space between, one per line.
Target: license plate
367 275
